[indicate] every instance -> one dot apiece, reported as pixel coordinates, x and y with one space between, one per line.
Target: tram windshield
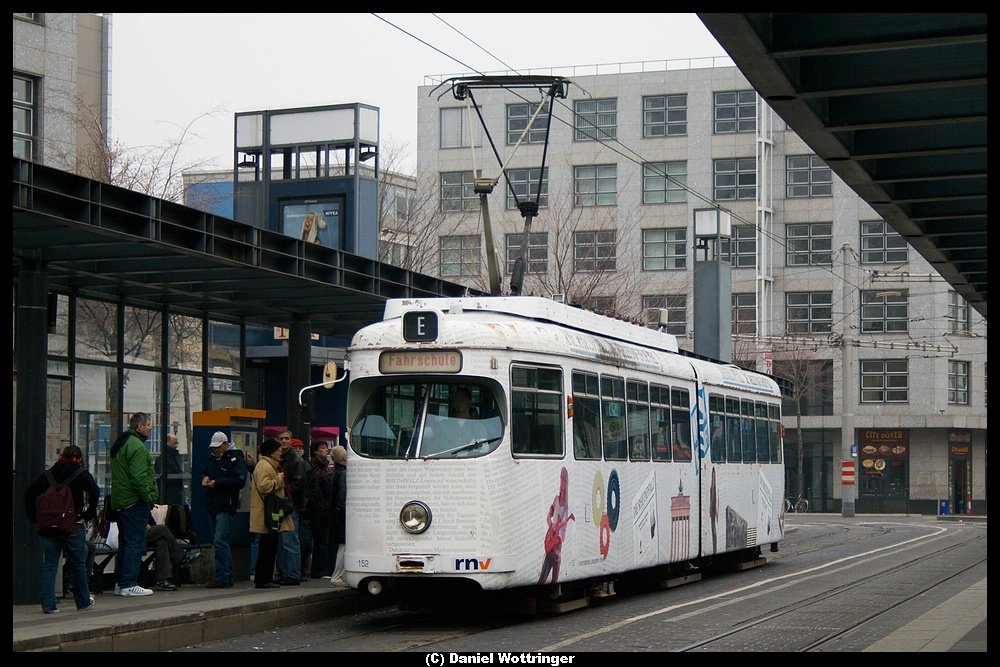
428 420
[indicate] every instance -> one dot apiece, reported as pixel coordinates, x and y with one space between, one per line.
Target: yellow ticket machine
244 428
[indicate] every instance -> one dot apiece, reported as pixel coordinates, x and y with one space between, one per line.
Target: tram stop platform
194 614
191 615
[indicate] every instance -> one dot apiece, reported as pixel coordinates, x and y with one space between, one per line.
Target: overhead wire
637 159
640 161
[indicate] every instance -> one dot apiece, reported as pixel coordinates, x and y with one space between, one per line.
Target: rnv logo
469 564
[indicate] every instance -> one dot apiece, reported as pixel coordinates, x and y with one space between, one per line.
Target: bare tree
809 370
583 257
410 230
154 170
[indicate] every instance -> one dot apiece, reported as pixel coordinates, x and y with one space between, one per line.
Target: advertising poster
314 221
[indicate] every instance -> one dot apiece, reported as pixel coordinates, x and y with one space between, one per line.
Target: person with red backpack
62 519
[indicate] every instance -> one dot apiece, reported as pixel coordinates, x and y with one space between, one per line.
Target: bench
100 555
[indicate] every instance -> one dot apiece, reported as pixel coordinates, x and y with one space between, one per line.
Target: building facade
106 360
61 72
889 363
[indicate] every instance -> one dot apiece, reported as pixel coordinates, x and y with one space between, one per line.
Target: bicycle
799 505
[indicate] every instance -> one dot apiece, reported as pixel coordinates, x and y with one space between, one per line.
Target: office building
889 363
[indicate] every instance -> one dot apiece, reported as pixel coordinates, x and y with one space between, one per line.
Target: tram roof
542 310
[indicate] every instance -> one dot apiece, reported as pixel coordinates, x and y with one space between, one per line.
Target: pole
847 385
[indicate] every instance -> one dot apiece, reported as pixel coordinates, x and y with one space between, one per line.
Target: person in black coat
170 469
223 476
85 497
321 470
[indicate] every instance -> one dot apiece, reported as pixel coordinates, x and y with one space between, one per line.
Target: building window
958 382
808 312
25 114
596 119
526 185
594 251
518 116
735 178
813 381
664 249
455 124
28 16
664 115
395 205
880 244
808 244
595 185
807 176
744 313
675 316
460 256
599 304
397 254
458 191
884 311
664 182
958 312
736 111
744 240
885 380
537 257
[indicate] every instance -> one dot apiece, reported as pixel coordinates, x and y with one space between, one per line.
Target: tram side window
586 416
659 398
733 430
613 417
774 432
717 427
747 430
760 410
680 402
536 411
637 398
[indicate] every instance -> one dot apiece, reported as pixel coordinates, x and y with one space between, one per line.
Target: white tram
590 448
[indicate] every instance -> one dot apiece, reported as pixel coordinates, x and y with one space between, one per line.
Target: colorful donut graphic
614 499
604 535
597 495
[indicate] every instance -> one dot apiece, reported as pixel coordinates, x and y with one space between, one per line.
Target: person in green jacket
133 492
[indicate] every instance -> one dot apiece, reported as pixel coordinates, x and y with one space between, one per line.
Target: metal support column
299 358
30 351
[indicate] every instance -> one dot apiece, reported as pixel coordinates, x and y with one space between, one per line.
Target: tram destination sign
420 361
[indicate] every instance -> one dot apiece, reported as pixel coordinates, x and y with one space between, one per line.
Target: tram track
827 599
847 602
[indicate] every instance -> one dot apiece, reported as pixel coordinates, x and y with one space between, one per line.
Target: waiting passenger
682 451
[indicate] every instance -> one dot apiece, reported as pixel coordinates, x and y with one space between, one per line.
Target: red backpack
55 511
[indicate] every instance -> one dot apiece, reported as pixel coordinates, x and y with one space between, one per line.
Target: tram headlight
415 517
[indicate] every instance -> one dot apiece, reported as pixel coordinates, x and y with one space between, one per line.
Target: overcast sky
169 71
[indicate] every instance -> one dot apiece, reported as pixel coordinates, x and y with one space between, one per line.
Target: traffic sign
847 473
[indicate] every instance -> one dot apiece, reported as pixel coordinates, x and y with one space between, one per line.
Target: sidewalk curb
162 629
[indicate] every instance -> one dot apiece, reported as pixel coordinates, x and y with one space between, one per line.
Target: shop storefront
959 472
883 470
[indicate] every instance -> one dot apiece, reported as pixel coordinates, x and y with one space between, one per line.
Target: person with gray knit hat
339 524
223 477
